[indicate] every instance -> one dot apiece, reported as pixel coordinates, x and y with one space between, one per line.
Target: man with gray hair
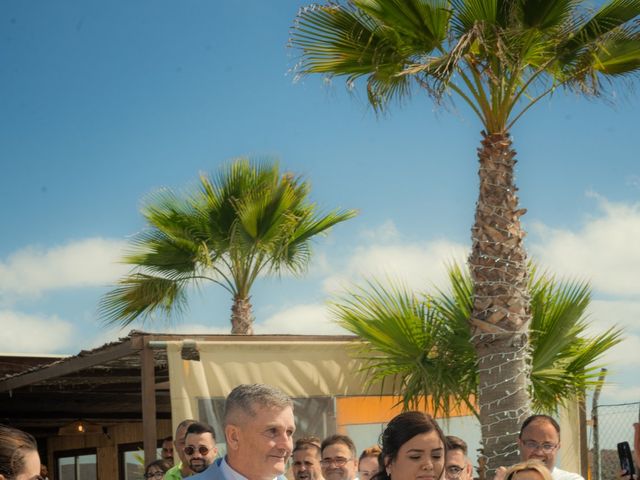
181 469
258 427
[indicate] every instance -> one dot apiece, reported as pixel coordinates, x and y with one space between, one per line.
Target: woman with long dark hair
413 447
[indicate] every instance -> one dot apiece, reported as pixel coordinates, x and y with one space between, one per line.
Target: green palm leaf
422 344
248 219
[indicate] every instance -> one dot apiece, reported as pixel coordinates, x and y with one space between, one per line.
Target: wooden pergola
120 382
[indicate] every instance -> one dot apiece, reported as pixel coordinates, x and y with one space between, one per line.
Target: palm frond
422 344
408 343
140 296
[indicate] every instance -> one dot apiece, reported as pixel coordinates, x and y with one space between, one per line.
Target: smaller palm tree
248 220
421 342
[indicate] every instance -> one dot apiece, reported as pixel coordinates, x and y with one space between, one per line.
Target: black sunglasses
191 450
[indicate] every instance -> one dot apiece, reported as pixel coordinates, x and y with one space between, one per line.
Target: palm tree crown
500 57
248 220
421 341
496 55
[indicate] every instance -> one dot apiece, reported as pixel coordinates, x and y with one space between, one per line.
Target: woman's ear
387 465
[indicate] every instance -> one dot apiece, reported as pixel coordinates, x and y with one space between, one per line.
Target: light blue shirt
228 472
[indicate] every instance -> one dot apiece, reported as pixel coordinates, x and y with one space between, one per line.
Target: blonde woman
528 470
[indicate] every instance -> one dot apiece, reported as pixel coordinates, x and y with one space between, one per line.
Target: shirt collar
230 473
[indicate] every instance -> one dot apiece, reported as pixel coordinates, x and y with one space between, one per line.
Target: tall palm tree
248 220
500 57
420 342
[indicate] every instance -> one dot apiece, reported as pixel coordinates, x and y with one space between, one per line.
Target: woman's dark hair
400 430
14 444
162 464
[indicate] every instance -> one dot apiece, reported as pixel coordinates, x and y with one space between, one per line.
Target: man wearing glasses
200 446
457 465
540 440
181 469
339 461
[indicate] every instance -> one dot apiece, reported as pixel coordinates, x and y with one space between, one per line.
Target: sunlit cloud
621 313
23 333
306 319
84 263
384 233
418 266
604 250
618 393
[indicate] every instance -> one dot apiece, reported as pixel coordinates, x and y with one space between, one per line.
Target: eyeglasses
337 461
366 473
201 449
453 472
155 474
546 447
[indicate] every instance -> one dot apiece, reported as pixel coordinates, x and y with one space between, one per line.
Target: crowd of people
259 428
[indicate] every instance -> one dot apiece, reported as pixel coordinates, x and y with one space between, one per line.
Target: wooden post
148 376
584 447
595 427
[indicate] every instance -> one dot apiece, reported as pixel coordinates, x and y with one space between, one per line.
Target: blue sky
102 103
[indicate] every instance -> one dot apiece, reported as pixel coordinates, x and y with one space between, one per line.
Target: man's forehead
540 428
305 454
334 448
456 457
275 417
205 437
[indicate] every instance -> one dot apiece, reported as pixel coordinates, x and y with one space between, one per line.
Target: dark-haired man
181 469
457 465
166 451
540 440
339 458
200 448
306 459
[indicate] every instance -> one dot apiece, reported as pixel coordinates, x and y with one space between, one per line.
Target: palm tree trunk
501 311
241 316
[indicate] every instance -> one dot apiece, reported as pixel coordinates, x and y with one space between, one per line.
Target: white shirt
558 474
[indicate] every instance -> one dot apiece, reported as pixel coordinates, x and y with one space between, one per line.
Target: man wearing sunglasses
258 427
200 446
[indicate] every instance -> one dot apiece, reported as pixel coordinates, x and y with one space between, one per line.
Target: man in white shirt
540 440
258 427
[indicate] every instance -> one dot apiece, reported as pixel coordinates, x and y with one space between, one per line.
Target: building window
131 461
77 465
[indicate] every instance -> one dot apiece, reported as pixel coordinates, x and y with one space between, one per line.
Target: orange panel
364 409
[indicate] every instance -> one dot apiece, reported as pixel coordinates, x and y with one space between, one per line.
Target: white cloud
614 393
387 232
419 266
22 333
308 319
624 355
604 251
622 313
84 263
